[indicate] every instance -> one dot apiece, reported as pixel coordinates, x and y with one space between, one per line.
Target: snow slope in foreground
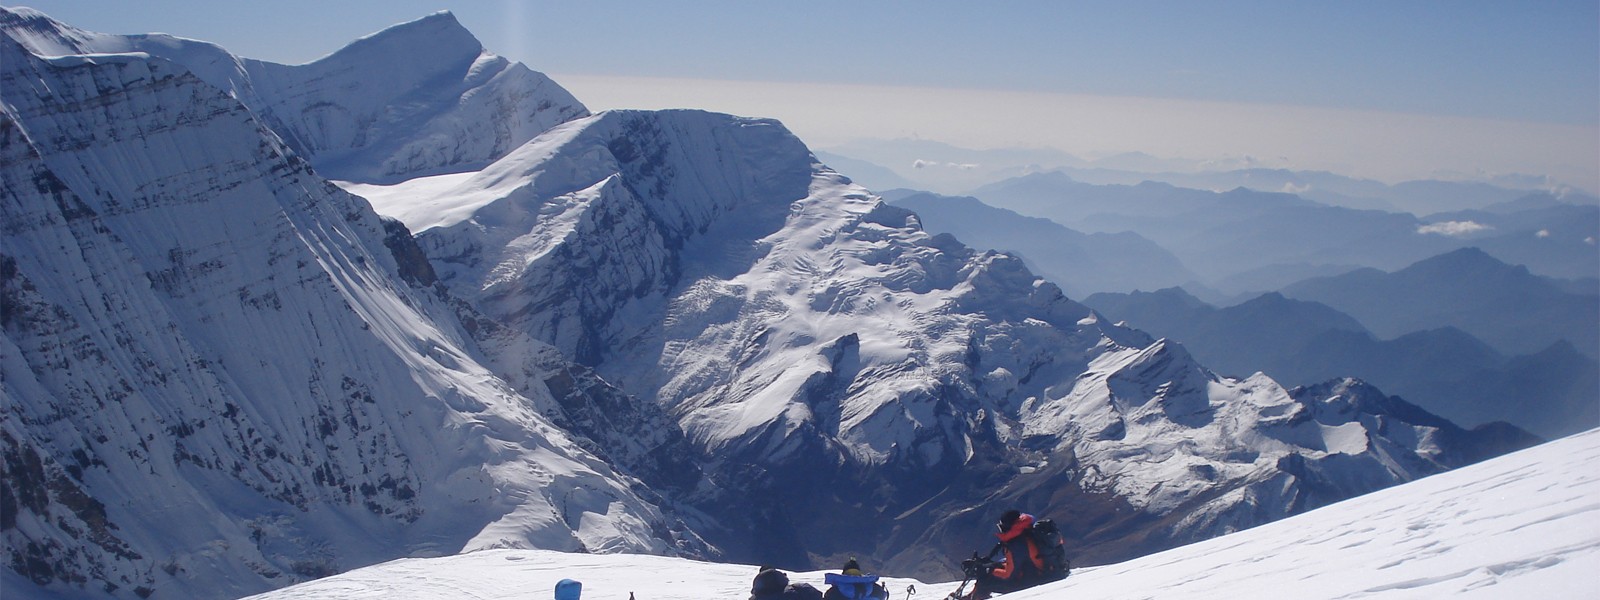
1525 525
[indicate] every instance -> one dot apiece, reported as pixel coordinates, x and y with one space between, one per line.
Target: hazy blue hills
1551 236
1223 234
941 167
1506 306
1078 262
1060 198
1244 240
870 175
1445 370
948 169
1419 197
1394 299
1551 393
1269 320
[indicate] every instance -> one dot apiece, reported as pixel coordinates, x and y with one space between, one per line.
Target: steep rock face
856 385
419 98
217 378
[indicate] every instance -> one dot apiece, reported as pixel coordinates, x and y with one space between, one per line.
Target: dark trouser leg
995 585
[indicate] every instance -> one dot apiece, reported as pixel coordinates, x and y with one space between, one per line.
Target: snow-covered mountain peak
47 37
790 319
272 369
578 154
419 98
437 37
1163 431
44 36
41 34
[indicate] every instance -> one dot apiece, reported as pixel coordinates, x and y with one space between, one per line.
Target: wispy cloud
1453 228
933 164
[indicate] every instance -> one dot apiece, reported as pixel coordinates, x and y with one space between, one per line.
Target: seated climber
851 584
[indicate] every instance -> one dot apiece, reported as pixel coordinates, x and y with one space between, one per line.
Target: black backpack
1052 549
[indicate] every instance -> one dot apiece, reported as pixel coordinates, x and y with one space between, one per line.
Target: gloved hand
975 567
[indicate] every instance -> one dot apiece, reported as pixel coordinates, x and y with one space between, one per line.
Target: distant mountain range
868 175
914 160
936 166
1418 197
1552 237
1506 306
1080 263
1551 392
1226 236
1223 234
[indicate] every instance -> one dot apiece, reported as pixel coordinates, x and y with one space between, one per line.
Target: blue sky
1500 62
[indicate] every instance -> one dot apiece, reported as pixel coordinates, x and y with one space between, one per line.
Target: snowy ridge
606 200
792 320
418 98
271 369
1525 525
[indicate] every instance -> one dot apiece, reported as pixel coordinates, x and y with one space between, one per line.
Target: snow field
522 574
1525 525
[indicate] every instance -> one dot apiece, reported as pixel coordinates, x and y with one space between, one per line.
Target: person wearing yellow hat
852 584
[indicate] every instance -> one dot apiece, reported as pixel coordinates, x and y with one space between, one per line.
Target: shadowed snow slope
1525 525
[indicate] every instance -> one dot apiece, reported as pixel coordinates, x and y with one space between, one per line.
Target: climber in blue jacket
851 584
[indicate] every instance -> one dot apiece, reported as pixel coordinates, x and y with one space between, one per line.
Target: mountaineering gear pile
772 584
